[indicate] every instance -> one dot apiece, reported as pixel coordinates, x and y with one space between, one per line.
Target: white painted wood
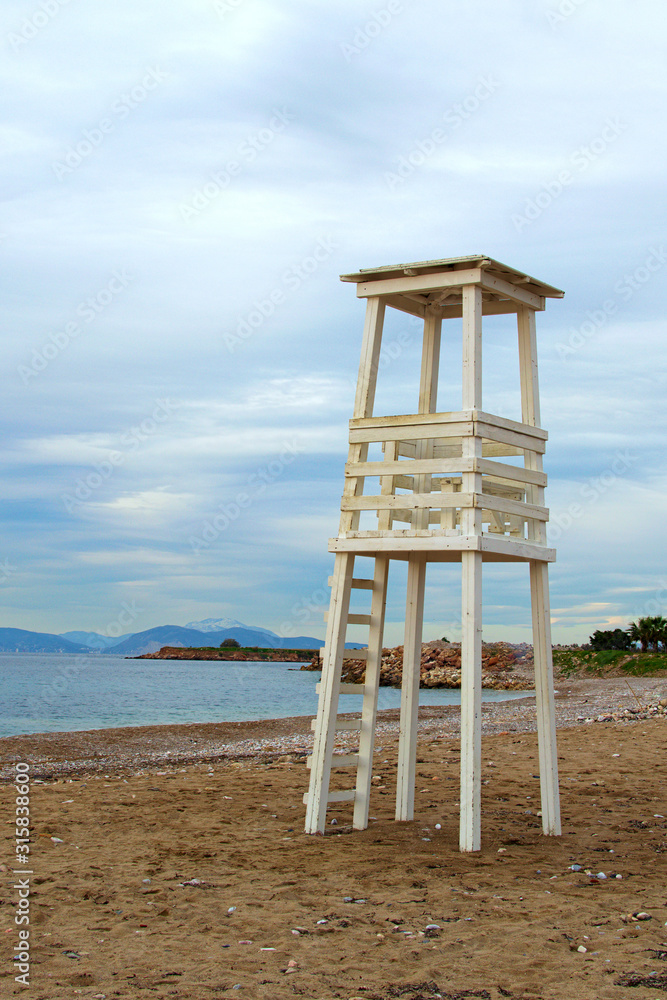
344 688
462 504
445 467
472 348
518 295
325 723
471 702
407 284
419 501
353 619
343 796
544 694
407 739
370 358
340 760
439 546
474 277
357 584
429 420
371 689
339 726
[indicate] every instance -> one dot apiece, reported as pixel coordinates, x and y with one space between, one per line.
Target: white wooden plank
544 694
340 726
325 722
429 427
450 417
437 501
445 467
407 739
471 702
472 348
513 472
370 357
343 796
357 583
352 619
371 687
340 760
519 295
418 282
344 688
438 545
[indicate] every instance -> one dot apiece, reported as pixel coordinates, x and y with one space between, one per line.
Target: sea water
61 693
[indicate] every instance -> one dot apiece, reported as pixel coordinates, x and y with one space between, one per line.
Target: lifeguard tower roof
436 283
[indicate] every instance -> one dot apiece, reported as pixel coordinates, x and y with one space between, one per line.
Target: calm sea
59 693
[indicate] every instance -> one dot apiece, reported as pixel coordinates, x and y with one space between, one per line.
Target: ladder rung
341 725
353 619
340 760
346 796
344 688
357 584
349 654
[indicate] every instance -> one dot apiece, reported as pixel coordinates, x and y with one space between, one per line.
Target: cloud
235 312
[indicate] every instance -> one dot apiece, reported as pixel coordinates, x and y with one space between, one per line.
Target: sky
182 185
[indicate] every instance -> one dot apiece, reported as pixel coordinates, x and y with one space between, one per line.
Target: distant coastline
252 653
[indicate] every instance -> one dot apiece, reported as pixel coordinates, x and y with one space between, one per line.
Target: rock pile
504 666
649 711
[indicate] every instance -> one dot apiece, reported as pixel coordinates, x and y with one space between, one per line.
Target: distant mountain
18 640
175 635
223 624
94 640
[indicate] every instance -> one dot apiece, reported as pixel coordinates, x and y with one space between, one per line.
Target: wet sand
171 862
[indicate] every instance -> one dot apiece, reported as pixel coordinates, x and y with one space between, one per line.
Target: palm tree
658 631
641 631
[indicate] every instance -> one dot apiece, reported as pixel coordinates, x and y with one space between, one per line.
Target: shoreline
134 749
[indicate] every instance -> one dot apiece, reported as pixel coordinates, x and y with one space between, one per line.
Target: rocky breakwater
505 667
210 653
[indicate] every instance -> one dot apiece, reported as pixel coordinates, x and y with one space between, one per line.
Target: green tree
230 644
611 639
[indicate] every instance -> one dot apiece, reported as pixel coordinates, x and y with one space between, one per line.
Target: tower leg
471 702
412 648
371 687
544 692
325 726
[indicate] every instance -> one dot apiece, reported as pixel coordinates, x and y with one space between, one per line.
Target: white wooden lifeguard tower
445 495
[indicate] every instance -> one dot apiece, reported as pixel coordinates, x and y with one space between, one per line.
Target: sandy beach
170 862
